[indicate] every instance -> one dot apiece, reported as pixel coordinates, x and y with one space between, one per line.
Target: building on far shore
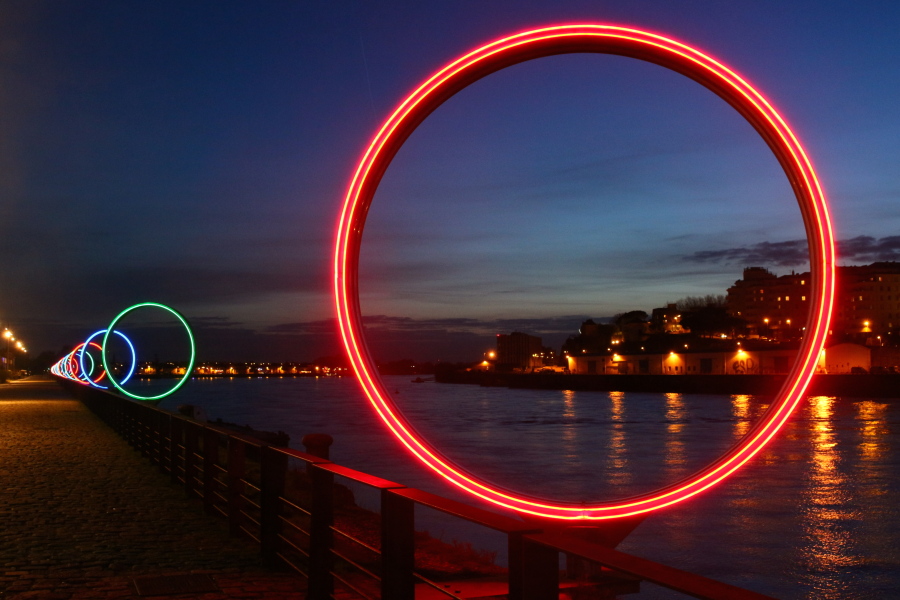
770 303
519 351
667 320
841 358
738 362
867 302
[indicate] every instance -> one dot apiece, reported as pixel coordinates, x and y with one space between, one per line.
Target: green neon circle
187 372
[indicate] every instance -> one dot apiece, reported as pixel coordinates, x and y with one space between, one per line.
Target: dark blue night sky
197 154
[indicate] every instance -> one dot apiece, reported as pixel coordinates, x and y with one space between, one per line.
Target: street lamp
9 337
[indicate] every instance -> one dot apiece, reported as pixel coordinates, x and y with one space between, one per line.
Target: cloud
783 254
868 249
860 249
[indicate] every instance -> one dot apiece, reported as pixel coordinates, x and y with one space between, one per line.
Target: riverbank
869 386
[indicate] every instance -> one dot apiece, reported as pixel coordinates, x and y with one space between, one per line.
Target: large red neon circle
604 39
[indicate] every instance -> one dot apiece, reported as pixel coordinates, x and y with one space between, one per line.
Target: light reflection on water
829 542
676 421
743 419
620 474
814 516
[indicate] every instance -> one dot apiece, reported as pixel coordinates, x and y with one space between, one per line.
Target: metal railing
245 481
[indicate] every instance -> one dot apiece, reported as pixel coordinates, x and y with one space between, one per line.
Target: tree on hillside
689 303
633 316
713 320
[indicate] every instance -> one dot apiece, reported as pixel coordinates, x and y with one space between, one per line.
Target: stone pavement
81 513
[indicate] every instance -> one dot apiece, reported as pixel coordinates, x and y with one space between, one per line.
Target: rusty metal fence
284 501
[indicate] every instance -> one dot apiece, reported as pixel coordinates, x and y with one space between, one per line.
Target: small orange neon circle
605 39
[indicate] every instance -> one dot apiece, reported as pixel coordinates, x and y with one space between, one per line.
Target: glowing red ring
606 39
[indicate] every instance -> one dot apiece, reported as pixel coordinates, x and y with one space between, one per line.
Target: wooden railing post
236 452
175 436
136 410
397 547
321 560
210 460
134 425
128 423
117 424
140 429
149 429
159 428
190 464
533 570
273 470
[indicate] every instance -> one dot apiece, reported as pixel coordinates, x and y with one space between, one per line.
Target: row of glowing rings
78 365
73 366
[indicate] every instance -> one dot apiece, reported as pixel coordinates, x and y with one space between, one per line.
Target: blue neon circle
88 341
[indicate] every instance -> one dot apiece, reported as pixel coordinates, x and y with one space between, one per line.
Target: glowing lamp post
9 338
604 39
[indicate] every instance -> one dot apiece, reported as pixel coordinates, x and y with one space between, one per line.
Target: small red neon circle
604 39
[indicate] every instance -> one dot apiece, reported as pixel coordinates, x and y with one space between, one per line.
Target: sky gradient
197 154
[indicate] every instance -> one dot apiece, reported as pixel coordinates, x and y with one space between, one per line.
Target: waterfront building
519 351
737 362
837 359
845 358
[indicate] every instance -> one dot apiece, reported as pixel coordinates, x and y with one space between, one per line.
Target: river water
815 516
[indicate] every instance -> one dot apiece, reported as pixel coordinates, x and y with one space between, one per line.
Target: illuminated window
787 298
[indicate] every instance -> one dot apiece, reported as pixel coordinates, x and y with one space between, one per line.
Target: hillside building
867 301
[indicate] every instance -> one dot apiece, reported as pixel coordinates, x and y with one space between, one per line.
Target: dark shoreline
862 386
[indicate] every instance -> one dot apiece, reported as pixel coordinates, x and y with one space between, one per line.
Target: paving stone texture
81 513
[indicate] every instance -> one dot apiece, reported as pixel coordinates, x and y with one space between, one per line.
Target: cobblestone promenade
82 514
